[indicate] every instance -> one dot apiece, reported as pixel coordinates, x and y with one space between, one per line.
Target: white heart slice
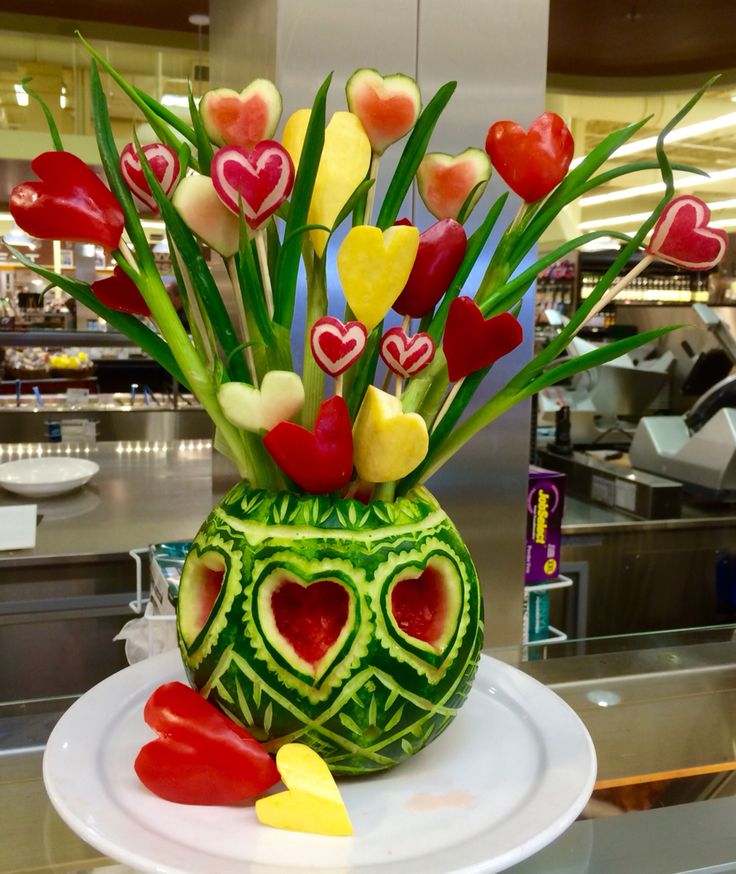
279 399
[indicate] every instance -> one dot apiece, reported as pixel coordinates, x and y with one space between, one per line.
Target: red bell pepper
319 461
472 342
119 292
70 203
531 162
200 756
441 251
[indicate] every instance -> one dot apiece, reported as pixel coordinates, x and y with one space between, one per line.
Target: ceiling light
21 98
601 244
690 181
175 100
62 97
642 216
199 19
683 133
17 237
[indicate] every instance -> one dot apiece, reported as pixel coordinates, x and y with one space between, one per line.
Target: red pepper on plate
440 253
200 756
472 342
320 461
531 162
70 203
119 292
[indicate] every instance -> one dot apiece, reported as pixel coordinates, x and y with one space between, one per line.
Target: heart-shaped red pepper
200 756
164 163
682 236
69 203
441 251
531 162
119 292
472 342
319 461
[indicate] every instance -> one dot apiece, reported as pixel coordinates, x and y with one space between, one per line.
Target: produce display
328 606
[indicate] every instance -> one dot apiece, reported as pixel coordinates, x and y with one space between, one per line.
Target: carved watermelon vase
353 628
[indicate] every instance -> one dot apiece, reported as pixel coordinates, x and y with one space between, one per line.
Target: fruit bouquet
328 600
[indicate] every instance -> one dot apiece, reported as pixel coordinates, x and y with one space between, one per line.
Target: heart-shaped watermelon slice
244 119
387 106
445 182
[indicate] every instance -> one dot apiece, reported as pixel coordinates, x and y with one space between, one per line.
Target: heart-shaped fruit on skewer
374 266
200 756
472 342
531 162
346 157
320 461
202 211
387 106
312 802
389 443
164 163
439 256
279 399
119 292
261 179
243 119
336 345
682 236
445 182
406 356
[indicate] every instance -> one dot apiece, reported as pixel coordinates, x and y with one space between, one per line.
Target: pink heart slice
164 163
260 179
682 236
335 346
406 356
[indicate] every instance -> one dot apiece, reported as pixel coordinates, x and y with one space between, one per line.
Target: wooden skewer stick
194 311
448 402
338 385
406 328
128 255
262 251
232 272
399 385
371 195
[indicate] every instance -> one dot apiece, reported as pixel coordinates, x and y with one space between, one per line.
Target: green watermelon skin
380 695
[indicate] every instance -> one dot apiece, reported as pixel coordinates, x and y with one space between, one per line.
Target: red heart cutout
440 253
310 617
419 606
165 166
335 346
200 756
262 179
472 342
69 203
119 292
682 236
531 162
319 461
404 355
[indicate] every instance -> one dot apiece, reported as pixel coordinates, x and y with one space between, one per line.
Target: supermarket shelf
53 337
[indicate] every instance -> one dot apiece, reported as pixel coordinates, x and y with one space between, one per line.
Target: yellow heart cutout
374 266
387 443
279 399
346 157
312 802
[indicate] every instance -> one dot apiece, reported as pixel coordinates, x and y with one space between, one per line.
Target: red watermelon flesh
445 181
387 106
419 605
310 617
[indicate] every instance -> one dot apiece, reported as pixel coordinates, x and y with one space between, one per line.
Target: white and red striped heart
682 236
406 356
260 179
335 346
164 164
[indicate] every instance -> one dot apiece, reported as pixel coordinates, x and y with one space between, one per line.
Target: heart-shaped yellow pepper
374 266
387 443
346 157
312 802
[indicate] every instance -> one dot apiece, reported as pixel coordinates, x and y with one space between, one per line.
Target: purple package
545 506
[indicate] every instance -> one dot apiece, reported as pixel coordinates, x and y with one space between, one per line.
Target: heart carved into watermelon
352 628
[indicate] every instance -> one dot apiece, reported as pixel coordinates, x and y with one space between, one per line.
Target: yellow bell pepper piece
387 443
346 157
312 802
374 266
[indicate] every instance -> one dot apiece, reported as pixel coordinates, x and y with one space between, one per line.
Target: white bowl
44 476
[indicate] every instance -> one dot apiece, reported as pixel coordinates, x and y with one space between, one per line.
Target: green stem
312 375
384 492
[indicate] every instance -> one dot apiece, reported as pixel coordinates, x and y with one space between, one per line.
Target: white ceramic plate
46 475
509 775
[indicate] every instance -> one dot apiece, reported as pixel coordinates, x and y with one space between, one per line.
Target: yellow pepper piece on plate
374 266
346 157
312 802
387 443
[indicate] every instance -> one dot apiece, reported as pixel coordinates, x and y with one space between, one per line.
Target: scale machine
699 447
